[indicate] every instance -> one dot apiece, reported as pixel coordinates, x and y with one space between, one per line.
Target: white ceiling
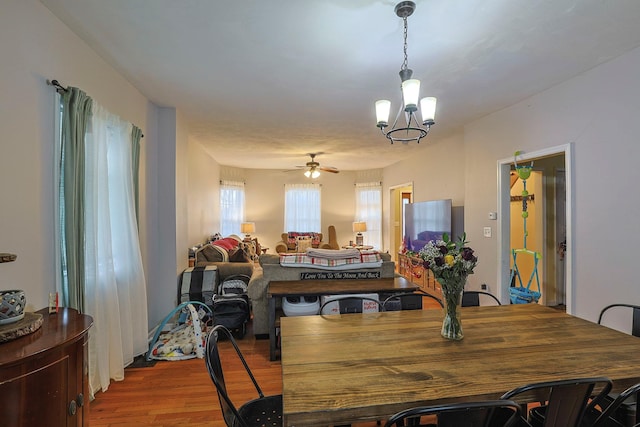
261 83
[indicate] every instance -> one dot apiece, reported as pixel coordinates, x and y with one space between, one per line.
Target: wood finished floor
180 393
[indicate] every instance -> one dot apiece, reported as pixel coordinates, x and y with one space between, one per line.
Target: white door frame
504 232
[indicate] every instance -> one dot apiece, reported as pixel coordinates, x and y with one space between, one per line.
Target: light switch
487 232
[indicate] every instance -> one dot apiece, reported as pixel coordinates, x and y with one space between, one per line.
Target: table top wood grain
341 369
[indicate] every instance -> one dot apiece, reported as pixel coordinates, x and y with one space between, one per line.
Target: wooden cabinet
44 375
411 268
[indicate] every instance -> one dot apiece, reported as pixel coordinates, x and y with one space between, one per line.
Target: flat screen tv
425 221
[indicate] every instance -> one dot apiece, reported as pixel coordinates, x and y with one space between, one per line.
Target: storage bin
300 305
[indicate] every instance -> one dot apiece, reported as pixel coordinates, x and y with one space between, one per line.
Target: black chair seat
264 411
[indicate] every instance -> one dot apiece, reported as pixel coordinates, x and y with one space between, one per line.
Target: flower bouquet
451 262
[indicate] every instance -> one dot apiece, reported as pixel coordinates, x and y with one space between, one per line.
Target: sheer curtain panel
369 209
115 283
302 207
231 207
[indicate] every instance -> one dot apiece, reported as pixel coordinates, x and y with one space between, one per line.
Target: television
425 221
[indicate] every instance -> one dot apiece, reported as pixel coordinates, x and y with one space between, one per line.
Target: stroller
231 306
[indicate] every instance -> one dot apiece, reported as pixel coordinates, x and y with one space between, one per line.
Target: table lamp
247 228
358 228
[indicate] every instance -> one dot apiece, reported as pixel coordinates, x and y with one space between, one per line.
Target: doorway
400 195
555 205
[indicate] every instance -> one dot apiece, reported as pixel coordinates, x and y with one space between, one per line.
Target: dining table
341 369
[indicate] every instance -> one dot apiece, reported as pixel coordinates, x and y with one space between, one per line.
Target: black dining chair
611 415
477 298
635 313
408 301
563 402
627 409
349 304
262 411
494 413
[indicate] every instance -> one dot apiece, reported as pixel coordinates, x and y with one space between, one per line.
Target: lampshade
428 110
383 108
312 173
410 94
248 227
359 226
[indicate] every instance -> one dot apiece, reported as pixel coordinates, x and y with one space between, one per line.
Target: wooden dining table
341 369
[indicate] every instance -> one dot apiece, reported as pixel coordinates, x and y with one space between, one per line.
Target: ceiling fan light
410 94
383 108
428 110
307 174
315 174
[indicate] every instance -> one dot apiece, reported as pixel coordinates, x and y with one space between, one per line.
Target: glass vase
452 298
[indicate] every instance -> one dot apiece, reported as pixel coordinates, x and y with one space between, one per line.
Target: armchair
288 242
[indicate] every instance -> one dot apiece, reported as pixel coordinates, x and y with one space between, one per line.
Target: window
302 207
369 209
231 207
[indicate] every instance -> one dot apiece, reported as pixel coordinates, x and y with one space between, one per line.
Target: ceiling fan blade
328 169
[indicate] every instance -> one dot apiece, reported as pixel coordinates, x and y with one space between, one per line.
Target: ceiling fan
314 168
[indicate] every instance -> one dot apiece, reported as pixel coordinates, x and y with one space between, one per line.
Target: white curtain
115 284
302 207
369 209
231 207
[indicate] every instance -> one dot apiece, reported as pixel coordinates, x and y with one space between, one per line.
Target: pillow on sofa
239 255
303 243
292 238
213 254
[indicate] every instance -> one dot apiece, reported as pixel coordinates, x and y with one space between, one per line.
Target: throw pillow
238 255
303 243
212 254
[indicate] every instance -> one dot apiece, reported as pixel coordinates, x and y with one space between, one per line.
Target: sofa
231 255
272 270
288 241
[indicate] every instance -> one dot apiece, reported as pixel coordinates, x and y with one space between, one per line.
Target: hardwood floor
180 393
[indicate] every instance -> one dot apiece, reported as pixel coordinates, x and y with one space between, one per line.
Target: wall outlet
487 232
493 215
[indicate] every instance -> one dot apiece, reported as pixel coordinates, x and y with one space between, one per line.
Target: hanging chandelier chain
406 60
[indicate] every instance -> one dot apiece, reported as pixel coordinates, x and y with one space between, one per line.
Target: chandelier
412 130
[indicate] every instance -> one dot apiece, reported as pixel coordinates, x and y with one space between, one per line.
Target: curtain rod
57 85
60 89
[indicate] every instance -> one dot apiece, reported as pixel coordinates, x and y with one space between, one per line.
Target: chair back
565 401
475 298
494 413
635 323
214 365
408 301
608 416
349 304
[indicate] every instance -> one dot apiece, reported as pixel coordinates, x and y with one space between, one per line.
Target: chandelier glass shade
312 173
412 129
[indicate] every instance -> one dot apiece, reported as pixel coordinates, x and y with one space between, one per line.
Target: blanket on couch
364 259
